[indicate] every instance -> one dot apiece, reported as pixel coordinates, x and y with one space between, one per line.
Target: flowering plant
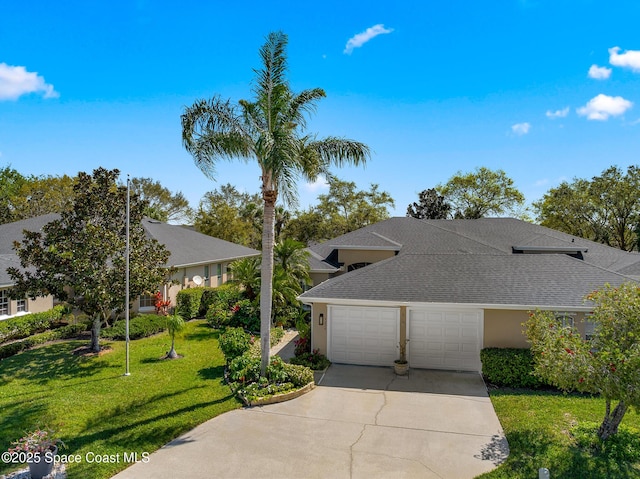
38 441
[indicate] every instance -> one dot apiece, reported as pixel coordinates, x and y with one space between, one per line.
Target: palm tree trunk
266 273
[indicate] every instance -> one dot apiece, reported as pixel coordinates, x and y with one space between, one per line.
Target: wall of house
319 333
318 278
38 305
504 329
351 256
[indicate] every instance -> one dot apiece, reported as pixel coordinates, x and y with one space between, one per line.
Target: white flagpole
126 306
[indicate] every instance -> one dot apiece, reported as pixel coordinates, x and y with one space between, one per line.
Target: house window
219 273
4 302
148 301
21 306
589 328
566 319
206 273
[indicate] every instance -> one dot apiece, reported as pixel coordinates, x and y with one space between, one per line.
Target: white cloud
16 81
558 113
602 107
599 73
319 184
521 128
628 59
361 38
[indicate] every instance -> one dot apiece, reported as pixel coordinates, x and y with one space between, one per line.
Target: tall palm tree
269 130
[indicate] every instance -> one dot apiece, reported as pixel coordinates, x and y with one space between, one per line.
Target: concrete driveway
360 422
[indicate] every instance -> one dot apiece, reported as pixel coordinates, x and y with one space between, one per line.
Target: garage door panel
448 339
362 335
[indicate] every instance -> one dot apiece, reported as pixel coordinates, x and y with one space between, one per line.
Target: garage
445 339
363 335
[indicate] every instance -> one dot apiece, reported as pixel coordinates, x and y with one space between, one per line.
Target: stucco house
449 288
193 255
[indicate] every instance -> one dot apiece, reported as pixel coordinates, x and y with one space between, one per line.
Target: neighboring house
193 255
450 288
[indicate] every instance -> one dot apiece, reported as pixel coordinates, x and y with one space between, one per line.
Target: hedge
26 325
64 332
139 327
188 302
512 367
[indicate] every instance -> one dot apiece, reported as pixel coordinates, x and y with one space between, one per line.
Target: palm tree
292 256
246 273
175 324
269 130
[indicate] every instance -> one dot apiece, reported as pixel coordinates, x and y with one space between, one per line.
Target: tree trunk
95 334
172 354
612 420
266 273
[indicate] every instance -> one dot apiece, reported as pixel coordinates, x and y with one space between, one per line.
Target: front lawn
101 411
557 431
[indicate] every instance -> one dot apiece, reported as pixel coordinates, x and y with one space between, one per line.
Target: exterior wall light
321 319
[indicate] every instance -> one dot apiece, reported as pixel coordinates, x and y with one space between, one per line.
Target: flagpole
126 306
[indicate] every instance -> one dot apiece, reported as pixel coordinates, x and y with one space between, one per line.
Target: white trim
397 304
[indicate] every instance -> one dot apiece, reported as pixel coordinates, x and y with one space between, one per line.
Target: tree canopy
83 252
270 130
430 205
481 193
608 364
162 204
343 209
605 209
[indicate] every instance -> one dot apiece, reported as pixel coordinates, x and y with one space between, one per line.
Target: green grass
557 431
103 412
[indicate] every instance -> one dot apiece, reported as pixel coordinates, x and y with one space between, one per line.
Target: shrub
64 332
276 334
218 315
512 367
28 324
298 375
209 296
245 368
313 360
255 390
188 302
245 314
234 342
139 327
276 372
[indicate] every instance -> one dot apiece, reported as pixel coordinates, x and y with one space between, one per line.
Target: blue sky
535 87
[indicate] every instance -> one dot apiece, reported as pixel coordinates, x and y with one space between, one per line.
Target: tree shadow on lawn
202 332
533 449
55 361
216 372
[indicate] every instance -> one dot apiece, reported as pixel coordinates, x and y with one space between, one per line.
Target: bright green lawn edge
541 428
101 411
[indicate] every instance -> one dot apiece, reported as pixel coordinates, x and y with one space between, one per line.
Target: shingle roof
472 261
187 247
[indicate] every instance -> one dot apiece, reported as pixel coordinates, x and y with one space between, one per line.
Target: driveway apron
358 423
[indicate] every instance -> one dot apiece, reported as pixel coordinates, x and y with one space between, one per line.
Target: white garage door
445 339
363 335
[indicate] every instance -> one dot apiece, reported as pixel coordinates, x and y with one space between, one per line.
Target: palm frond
340 151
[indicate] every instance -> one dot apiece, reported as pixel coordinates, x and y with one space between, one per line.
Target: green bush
218 315
227 294
234 342
245 314
28 324
64 332
188 302
313 360
209 296
275 335
245 368
512 367
298 375
139 327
